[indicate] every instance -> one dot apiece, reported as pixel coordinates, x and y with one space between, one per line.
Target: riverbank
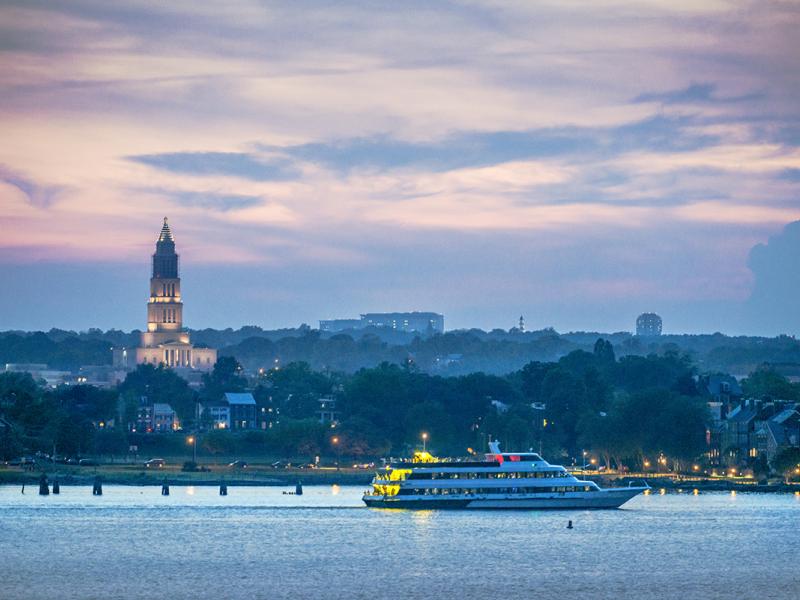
136 475
262 475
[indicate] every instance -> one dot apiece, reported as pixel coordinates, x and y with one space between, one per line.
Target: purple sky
575 162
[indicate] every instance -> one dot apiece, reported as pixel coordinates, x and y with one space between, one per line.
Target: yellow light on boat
422 457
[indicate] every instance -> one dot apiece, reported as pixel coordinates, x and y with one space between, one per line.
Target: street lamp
335 442
424 441
193 441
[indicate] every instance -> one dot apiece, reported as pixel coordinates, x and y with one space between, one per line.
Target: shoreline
114 475
287 478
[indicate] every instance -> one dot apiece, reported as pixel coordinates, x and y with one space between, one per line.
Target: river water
261 543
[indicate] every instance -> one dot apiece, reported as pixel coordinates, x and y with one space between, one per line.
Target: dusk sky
575 162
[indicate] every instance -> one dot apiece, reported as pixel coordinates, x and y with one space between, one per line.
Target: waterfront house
779 433
235 410
327 412
154 417
164 418
738 441
242 410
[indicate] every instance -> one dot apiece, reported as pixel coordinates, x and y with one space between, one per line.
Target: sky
575 162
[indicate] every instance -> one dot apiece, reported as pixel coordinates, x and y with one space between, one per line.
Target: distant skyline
578 163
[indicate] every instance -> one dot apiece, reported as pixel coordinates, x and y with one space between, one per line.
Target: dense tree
157 384
604 352
787 462
647 423
635 373
295 389
765 382
226 376
357 438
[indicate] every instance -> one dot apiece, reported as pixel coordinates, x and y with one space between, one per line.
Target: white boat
502 480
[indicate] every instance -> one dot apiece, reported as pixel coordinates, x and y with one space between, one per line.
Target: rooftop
239 398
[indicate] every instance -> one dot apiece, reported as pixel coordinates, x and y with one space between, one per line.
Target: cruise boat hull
604 499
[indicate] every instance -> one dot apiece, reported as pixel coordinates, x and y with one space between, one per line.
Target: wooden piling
223 489
44 490
165 488
298 489
56 487
97 488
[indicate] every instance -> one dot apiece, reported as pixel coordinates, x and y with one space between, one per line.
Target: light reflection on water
261 543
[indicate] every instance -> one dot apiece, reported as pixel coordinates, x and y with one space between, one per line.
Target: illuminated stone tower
165 341
165 309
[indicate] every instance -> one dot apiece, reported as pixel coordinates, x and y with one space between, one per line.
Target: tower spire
166 233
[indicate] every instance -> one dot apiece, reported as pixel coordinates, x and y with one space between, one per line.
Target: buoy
44 490
569 525
223 489
165 488
298 489
56 487
97 488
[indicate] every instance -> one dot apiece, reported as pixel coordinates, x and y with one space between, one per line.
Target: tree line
621 410
453 353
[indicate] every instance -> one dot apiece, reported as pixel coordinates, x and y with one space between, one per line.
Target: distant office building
420 322
165 341
648 325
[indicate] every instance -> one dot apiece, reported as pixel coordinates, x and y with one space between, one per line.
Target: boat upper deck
423 460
